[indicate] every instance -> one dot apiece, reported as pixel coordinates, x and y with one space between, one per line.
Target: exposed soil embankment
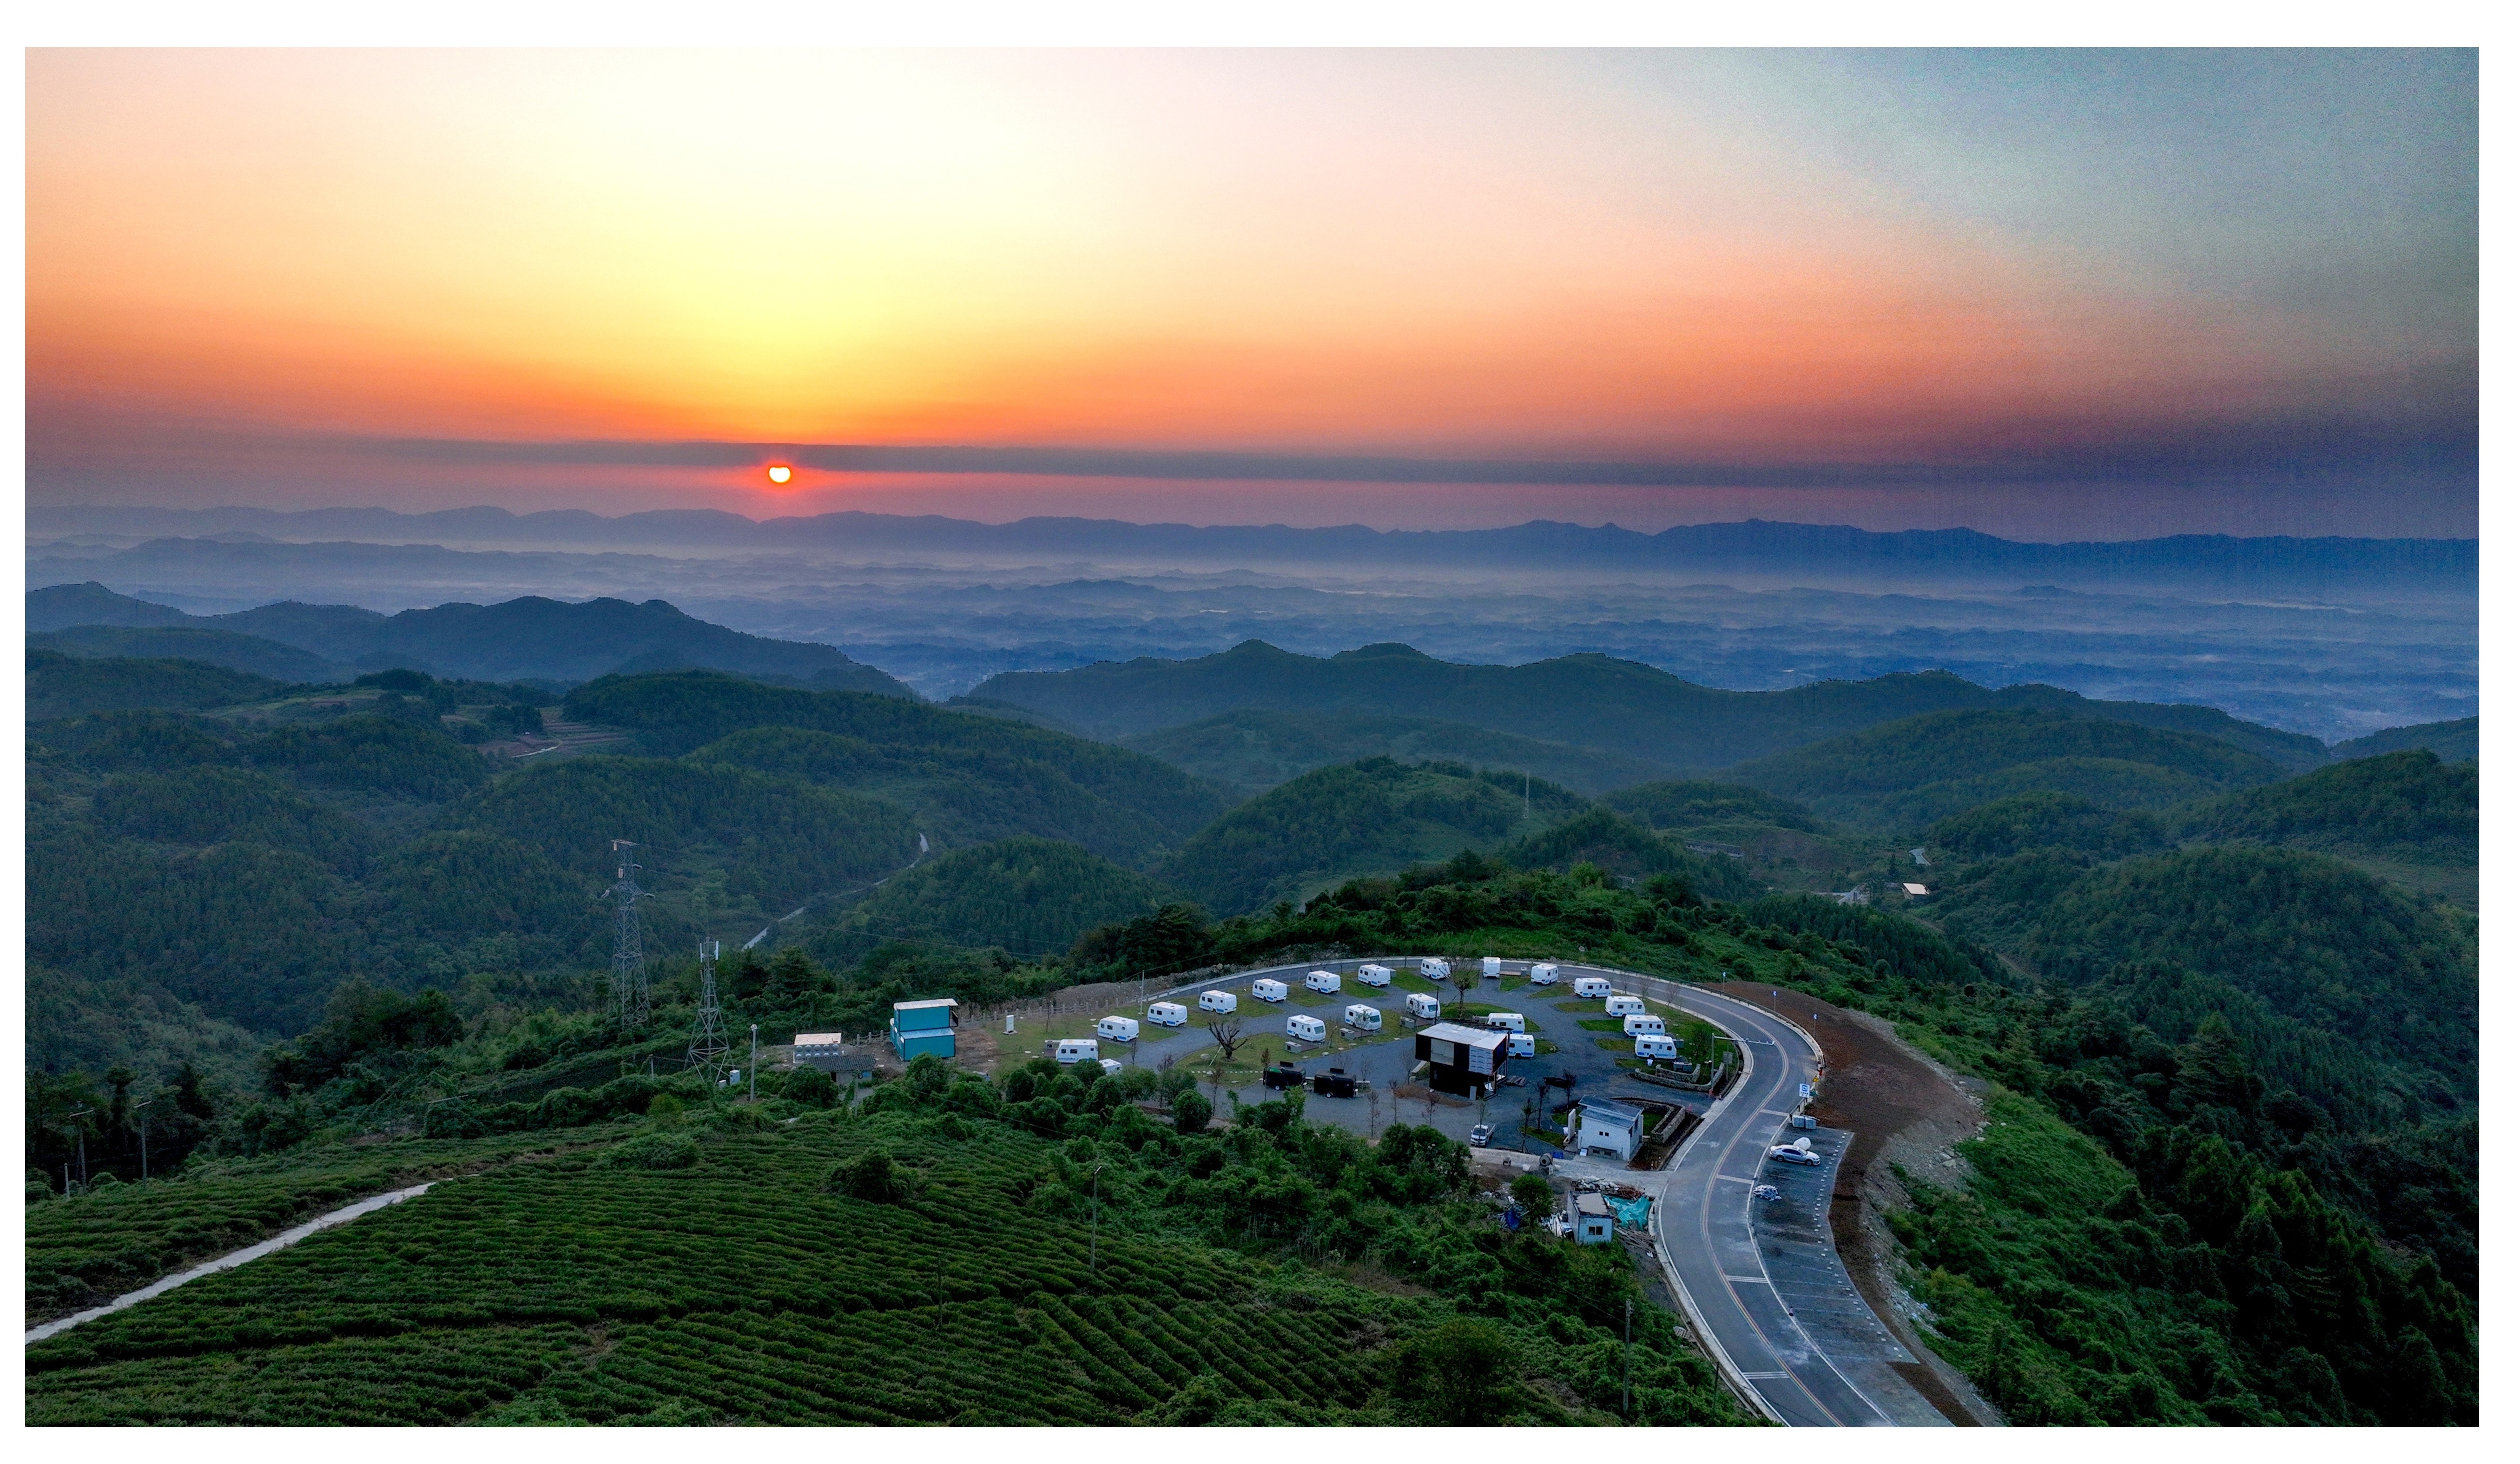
1903 1110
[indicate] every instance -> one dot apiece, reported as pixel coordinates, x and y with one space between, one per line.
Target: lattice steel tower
709 1046
629 962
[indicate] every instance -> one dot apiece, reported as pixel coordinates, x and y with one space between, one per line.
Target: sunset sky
2049 294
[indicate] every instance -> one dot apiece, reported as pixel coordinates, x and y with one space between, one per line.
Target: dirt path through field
1902 1109
229 1262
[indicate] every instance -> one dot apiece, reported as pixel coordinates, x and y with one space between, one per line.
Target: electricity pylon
709 1046
629 963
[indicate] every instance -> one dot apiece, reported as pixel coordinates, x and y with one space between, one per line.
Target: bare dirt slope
1904 1109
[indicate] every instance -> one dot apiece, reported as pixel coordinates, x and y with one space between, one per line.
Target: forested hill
1909 774
1256 749
2401 805
1585 700
60 686
234 650
2451 741
984 772
529 639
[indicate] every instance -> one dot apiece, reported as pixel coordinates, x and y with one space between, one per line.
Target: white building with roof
1599 1126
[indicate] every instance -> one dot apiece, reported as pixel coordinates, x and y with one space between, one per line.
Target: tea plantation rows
123 1236
716 1270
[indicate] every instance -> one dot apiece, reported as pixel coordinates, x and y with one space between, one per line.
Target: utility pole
79 1131
752 1074
629 963
709 1046
141 1112
1627 1347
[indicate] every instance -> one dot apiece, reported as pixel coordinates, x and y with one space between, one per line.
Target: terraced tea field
587 1286
81 1253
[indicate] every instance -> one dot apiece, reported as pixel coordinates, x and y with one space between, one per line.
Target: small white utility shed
1599 1125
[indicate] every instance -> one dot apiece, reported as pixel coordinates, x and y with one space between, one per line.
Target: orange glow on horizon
1335 252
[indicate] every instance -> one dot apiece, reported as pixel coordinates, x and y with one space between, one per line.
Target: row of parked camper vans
1652 1040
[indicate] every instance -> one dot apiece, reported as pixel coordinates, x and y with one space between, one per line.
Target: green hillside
2134 1182
1694 805
1617 846
2045 819
1368 816
252 655
2407 806
772 842
70 685
1587 700
1029 1253
389 755
674 714
964 795
2317 940
1999 904
1254 749
1920 769
1030 896
2247 1065
2451 741
2116 783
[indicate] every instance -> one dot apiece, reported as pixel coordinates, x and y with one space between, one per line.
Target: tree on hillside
1456 1364
1228 1032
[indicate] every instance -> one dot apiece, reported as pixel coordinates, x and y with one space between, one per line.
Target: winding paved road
1703 1221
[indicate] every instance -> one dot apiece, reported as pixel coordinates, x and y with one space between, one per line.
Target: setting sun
781 473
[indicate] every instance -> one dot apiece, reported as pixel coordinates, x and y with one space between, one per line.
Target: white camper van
1266 990
1491 966
1522 1045
1510 1021
1325 982
1372 975
1545 974
1118 1029
1216 1000
1068 1049
1365 1018
1623 1005
1643 1026
1168 1014
1434 969
1653 1045
1110 1066
1307 1029
1590 986
1424 1006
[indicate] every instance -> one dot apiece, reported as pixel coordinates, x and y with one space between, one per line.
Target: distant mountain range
530 638
1591 701
1754 547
